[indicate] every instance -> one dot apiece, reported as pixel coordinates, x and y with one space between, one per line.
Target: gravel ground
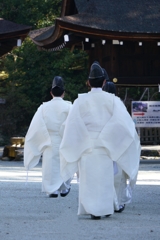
27 213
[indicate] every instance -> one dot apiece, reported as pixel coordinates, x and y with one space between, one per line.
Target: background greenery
26 73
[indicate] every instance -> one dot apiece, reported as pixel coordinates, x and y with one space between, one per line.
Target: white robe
124 187
43 138
98 131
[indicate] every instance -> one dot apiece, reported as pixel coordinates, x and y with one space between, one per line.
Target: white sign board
146 113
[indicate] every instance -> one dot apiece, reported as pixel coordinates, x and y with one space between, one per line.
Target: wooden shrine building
11 35
124 36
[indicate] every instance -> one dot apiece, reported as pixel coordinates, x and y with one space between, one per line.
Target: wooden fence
150 136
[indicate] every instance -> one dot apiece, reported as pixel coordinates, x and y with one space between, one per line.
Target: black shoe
53 195
65 194
121 208
108 215
95 217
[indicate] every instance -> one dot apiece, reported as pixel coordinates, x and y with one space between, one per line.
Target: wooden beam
137 81
104 34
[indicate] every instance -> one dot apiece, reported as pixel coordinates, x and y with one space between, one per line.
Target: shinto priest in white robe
98 131
43 138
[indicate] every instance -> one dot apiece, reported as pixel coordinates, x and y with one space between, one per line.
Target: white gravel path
27 213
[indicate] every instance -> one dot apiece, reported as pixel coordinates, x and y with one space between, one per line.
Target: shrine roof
11 27
103 18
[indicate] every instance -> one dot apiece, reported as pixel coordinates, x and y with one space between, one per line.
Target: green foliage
30 75
26 74
35 13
